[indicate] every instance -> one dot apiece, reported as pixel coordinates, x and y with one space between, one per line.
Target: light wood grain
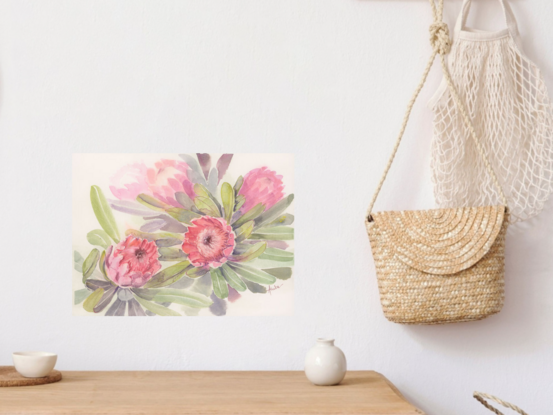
9 377
214 393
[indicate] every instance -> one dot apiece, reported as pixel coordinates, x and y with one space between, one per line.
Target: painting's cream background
327 80
98 169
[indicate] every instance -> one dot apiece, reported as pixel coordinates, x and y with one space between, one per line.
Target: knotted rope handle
481 397
441 45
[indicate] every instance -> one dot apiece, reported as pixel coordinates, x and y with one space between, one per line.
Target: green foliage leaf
232 278
252 253
282 220
197 272
184 297
274 212
220 287
93 300
156 308
102 265
252 274
152 203
78 258
207 206
202 191
103 213
275 254
280 273
184 200
278 233
251 214
227 196
99 238
162 239
80 295
78 261
89 264
238 184
254 287
240 200
171 254
183 215
244 231
168 275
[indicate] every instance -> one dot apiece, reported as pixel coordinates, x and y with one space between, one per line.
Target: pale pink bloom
208 242
130 181
261 186
161 181
132 262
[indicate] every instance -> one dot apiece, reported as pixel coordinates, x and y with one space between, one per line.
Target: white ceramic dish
34 364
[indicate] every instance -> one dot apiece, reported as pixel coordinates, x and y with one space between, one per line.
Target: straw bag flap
439 241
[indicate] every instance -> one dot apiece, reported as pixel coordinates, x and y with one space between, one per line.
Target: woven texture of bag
508 103
442 265
439 266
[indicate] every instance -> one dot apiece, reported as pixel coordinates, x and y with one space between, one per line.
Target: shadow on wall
528 263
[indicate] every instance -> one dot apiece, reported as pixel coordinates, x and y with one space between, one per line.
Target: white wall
324 79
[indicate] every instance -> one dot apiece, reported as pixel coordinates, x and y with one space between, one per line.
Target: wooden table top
213 393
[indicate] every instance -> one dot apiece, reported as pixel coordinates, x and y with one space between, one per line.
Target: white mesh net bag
507 100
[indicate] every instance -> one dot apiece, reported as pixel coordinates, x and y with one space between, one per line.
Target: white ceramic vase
325 364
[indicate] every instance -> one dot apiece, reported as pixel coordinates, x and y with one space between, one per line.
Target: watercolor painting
183 234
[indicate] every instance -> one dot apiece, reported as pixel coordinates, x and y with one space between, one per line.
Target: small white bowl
34 364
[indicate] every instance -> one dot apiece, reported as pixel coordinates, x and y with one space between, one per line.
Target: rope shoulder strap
441 45
481 397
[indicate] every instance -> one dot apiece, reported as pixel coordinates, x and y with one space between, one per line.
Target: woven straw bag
481 397
443 265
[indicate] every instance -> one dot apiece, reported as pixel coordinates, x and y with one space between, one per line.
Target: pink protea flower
261 186
132 262
208 242
130 181
167 178
161 181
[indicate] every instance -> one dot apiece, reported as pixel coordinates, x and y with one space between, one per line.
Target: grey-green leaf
282 220
171 254
98 237
275 254
275 211
280 273
196 272
254 287
89 264
251 214
80 295
232 278
252 274
183 297
152 202
183 215
252 253
244 231
220 287
156 308
103 213
207 206
168 275
277 233
238 184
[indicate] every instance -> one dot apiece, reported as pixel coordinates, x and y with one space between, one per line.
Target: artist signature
274 288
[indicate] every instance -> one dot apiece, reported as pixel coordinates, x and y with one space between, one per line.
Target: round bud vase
325 364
